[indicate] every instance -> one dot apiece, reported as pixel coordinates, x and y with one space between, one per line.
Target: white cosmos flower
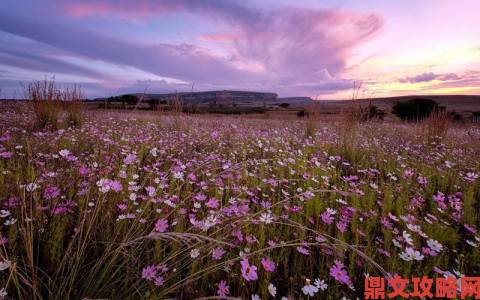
320 283
266 218
411 254
272 290
10 222
154 152
472 243
5 265
4 213
178 175
435 245
31 187
310 290
64 153
408 238
194 253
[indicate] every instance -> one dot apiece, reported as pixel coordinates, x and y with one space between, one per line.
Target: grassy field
142 205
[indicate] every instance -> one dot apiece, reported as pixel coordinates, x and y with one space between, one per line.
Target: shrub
302 113
415 109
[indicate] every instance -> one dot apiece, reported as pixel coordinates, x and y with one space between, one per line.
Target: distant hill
461 104
296 101
458 103
221 97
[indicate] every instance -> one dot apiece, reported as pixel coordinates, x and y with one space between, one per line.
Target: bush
302 113
415 109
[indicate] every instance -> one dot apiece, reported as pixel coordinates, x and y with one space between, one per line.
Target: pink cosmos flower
217 253
212 203
83 170
161 225
249 272
6 154
303 250
422 180
149 272
158 281
130 159
327 217
337 271
115 185
51 192
268 264
223 289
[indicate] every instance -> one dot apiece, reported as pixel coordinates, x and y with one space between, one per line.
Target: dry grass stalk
73 105
45 102
351 117
436 126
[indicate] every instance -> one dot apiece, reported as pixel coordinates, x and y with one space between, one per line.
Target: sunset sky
295 48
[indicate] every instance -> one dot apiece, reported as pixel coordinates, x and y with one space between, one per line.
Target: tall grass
45 101
436 126
48 101
72 100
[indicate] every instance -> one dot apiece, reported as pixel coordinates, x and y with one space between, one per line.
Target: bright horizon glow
293 48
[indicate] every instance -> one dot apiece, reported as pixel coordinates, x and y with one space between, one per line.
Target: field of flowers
145 206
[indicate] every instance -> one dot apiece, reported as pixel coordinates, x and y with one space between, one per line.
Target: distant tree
284 105
153 103
415 109
302 113
476 116
455 116
129 99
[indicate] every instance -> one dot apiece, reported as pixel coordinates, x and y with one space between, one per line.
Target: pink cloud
218 37
285 48
122 8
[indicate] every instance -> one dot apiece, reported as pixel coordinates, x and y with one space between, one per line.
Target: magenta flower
303 250
249 272
130 159
161 225
6 154
422 180
223 289
217 253
115 185
338 272
268 264
212 203
327 216
83 170
158 281
51 192
149 272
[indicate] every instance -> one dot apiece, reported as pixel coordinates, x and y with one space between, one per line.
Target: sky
315 48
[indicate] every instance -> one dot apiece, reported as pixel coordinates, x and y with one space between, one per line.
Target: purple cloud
293 50
425 77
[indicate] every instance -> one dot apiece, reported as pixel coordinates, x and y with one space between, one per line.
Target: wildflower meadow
145 205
